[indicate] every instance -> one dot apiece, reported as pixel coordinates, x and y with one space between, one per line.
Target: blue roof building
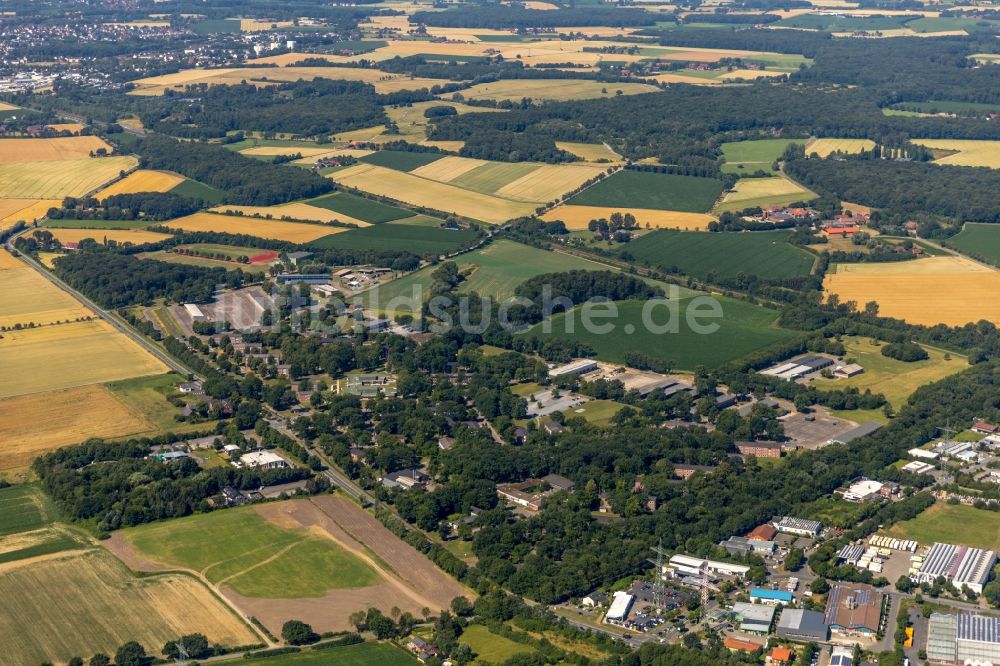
766 596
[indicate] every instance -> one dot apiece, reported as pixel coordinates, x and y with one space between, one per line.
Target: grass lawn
861 415
981 241
952 523
401 160
765 254
496 270
524 390
149 396
363 654
836 512
255 558
490 647
645 189
417 239
597 412
745 157
743 328
897 380
367 210
195 190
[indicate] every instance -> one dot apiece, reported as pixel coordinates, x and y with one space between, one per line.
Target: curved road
101 312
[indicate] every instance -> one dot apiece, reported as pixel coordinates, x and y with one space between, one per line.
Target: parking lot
814 430
546 403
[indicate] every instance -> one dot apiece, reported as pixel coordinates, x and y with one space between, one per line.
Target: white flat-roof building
262 460
195 312
862 491
917 467
924 454
578 367
694 566
800 526
621 604
754 618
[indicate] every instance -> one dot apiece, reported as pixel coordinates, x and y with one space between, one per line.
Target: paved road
104 314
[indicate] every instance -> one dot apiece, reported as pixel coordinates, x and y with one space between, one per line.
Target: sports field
360 208
826 147
766 254
578 217
251 555
50 150
59 179
294 232
979 240
34 424
967 152
645 189
743 328
419 240
417 191
952 523
292 211
27 297
746 157
935 290
553 90
121 236
143 180
897 380
51 598
494 271
777 191
70 355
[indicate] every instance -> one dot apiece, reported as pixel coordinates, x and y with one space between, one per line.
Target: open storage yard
935 290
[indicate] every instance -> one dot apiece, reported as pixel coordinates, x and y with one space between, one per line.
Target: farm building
262 460
963 639
621 604
762 595
854 609
760 449
862 430
195 312
802 625
959 565
799 526
578 367
849 370
754 618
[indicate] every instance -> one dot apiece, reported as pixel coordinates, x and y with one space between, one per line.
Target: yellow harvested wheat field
31 425
747 189
253 25
560 90
27 297
351 152
4 106
143 180
292 211
970 153
268 151
56 180
26 210
578 217
589 152
67 127
431 194
50 150
133 236
548 182
750 74
448 168
68 355
294 232
674 77
826 147
936 290
57 595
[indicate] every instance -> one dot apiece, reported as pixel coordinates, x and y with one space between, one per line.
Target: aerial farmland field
27 297
935 290
765 253
578 217
50 150
122 236
69 355
553 90
142 180
291 211
644 189
363 654
826 147
949 523
965 152
385 237
294 232
746 157
753 192
57 179
981 241
360 208
25 210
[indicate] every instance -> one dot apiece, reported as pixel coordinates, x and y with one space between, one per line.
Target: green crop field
400 160
644 189
948 23
496 270
766 253
951 523
845 23
23 508
945 106
490 177
417 239
490 647
363 654
366 210
255 558
896 380
195 190
746 157
743 328
981 241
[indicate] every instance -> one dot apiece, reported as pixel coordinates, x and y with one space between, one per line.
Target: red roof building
838 231
736 645
780 655
765 532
